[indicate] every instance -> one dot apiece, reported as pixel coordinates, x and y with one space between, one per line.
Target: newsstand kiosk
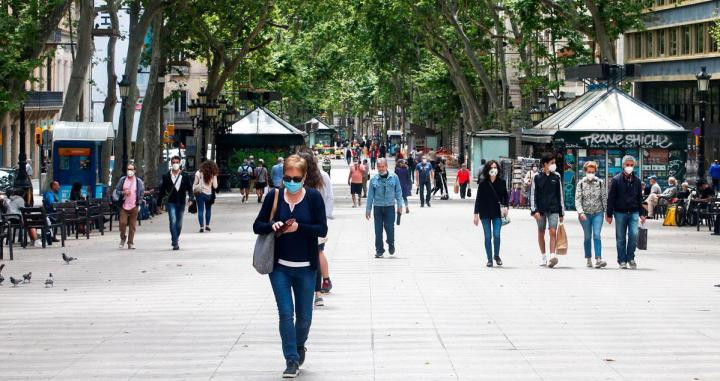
77 149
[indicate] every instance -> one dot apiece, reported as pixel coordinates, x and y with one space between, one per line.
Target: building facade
675 43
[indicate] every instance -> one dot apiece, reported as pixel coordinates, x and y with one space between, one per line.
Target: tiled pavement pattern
433 312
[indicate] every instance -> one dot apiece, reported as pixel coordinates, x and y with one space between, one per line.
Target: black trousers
425 192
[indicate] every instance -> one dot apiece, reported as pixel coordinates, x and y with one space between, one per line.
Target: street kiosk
603 125
76 155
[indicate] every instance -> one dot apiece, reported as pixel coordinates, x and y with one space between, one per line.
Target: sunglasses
293 179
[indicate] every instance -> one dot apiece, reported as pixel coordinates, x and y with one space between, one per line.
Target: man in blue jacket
384 197
715 175
624 204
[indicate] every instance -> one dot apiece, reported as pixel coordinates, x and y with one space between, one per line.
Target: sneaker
292 370
176 247
428 204
552 262
378 255
326 286
301 354
202 230
422 205
207 229
544 260
122 244
599 263
498 261
489 264
623 265
407 210
589 262
319 302
391 250
632 264
131 246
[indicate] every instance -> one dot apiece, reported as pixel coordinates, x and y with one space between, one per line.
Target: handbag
561 245
469 193
457 188
211 199
192 209
264 251
642 237
505 218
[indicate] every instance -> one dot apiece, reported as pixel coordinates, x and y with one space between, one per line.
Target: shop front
605 125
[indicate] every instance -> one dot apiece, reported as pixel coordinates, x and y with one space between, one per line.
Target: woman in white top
204 190
320 180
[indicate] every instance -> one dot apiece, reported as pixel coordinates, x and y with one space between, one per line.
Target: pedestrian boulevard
433 311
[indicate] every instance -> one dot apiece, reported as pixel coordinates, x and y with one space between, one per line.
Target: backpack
245 173
144 213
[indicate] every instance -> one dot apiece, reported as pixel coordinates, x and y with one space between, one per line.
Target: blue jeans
425 190
204 209
300 282
491 228
592 227
626 234
384 217
175 214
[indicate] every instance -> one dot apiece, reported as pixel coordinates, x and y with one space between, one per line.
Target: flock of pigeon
26 278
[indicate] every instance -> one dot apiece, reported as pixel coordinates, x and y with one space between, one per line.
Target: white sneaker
553 261
544 260
589 262
599 263
122 245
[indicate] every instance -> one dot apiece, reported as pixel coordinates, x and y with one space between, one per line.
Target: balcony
44 100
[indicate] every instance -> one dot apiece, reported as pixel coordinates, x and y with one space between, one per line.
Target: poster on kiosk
77 149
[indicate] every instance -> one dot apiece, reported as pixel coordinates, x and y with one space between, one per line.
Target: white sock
552 255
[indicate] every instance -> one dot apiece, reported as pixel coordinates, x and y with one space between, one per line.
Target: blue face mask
292 186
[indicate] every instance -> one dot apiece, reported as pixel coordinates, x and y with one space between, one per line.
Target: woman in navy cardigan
298 222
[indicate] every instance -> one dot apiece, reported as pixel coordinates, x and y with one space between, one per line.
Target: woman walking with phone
299 220
491 206
204 189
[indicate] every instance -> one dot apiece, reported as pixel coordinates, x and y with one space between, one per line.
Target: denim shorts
546 219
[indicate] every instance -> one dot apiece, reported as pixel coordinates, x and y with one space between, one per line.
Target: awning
320 125
83 131
262 121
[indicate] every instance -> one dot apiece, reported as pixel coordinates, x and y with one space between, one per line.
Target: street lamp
124 86
562 101
703 82
21 178
535 114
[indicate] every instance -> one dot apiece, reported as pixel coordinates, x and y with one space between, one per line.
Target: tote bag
642 238
264 252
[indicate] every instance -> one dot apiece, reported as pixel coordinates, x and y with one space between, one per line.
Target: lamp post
124 86
703 83
535 115
21 178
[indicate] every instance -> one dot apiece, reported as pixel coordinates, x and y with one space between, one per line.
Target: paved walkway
432 312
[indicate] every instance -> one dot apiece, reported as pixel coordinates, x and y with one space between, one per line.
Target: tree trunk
601 35
81 62
138 28
150 118
148 115
111 98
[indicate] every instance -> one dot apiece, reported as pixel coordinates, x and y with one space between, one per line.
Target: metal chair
37 218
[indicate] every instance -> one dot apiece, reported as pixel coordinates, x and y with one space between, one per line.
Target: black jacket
546 194
625 196
486 201
168 192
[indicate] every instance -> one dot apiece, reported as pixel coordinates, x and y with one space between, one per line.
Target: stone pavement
431 312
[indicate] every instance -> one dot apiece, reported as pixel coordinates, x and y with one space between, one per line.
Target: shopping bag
670 216
264 250
457 188
469 193
642 237
561 243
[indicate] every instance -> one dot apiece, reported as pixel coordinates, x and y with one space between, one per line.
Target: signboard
676 140
74 151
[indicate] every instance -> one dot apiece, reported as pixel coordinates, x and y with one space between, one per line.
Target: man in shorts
546 206
355 180
245 172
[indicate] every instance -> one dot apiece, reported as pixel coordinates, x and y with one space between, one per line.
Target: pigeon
49 282
27 277
67 259
15 282
2 267
2 279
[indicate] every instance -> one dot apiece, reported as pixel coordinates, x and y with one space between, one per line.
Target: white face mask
424 161
176 167
130 173
493 172
629 169
553 167
591 176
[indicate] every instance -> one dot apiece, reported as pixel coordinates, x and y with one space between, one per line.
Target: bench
46 224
